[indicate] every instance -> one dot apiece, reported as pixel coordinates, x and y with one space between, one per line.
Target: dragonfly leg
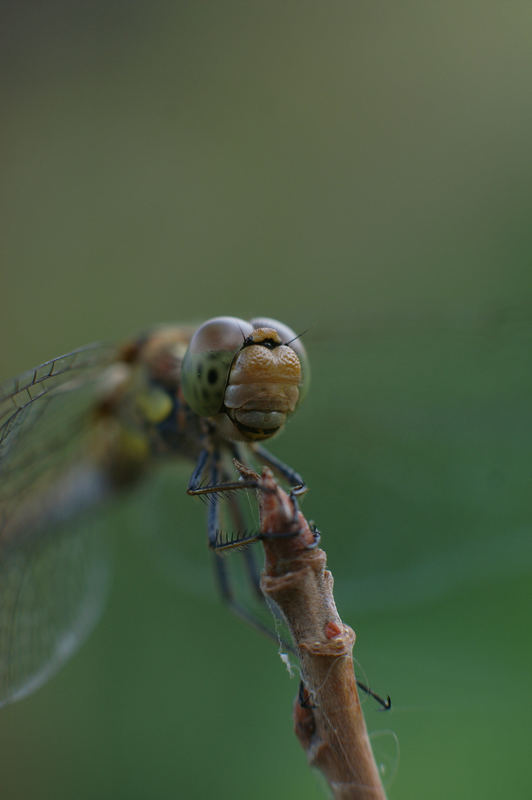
222 575
195 486
250 562
195 478
252 571
213 510
241 537
218 485
287 473
222 579
295 528
254 579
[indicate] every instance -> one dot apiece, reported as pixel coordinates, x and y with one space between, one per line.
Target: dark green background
358 169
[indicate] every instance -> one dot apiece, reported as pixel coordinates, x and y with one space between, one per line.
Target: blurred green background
358 169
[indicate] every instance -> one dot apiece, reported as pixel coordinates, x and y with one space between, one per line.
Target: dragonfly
84 427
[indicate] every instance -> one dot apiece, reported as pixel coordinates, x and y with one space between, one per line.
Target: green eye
294 341
207 362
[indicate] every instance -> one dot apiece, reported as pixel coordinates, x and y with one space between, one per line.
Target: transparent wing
51 594
44 417
53 567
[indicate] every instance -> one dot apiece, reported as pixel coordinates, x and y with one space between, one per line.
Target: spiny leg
251 567
250 562
195 486
208 465
213 511
298 486
287 473
217 487
254 579
253 576
214 486
222 575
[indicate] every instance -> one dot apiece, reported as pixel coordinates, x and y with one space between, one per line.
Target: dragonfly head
249 376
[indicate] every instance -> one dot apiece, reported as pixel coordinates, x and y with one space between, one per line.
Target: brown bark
327 715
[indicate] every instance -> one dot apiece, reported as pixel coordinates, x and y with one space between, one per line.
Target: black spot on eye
212 375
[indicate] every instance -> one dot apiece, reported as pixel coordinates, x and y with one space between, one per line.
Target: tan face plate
259 363
248 376
263 385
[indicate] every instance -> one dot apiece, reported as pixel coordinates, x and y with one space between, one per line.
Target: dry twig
328 718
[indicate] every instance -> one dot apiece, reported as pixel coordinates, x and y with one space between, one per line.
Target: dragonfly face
79 428
248 376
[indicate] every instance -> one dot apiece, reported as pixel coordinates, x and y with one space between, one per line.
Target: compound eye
290 338
207 362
